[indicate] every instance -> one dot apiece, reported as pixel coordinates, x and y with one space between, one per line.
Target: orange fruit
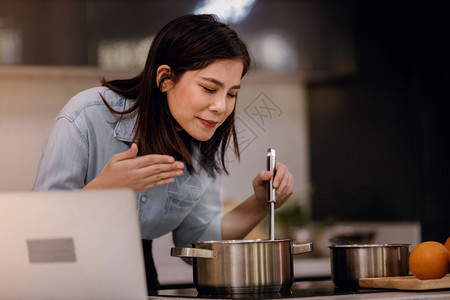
447 244
429 260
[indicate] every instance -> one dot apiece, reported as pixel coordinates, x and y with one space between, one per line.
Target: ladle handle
271 160
271 192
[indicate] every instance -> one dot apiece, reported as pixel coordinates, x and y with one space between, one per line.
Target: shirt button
144 199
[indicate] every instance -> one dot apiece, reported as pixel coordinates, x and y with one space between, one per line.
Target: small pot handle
301 248
191 252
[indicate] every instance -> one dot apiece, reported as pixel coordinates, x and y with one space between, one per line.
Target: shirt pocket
181 202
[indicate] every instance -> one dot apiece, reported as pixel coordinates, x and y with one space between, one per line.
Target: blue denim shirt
84 137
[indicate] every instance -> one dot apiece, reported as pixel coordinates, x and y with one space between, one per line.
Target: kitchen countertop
312 289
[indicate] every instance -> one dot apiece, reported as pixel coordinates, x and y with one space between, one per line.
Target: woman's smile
208 123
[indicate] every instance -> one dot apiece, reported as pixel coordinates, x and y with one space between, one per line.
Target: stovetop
300 289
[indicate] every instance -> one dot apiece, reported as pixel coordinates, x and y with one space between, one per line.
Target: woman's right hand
126 170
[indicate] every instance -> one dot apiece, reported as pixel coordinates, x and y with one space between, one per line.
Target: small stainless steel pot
242 266
351 262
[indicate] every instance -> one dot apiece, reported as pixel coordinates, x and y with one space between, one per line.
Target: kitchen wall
30 98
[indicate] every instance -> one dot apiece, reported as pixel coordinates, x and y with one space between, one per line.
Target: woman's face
202 99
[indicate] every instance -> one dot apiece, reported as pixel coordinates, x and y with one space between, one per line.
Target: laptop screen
71 244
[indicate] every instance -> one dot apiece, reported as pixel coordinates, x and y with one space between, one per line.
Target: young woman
163 134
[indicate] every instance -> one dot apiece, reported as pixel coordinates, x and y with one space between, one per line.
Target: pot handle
301 248
191 252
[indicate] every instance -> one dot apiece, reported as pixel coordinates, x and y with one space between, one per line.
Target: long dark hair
189 42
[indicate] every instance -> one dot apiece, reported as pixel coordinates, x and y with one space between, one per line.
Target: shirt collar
124 129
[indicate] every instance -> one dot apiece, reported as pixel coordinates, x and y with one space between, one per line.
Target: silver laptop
70 245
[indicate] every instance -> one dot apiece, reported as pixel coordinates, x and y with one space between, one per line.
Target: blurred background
359 92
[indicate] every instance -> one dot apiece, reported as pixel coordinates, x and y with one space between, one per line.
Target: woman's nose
219 104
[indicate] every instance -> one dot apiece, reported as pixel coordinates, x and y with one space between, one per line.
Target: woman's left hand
283 183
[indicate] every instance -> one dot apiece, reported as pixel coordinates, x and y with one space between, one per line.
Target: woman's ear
163 78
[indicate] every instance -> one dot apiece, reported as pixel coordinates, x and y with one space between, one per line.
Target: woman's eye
232 95
208 90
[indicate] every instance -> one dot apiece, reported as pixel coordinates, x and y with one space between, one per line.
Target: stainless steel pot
351 262
242 266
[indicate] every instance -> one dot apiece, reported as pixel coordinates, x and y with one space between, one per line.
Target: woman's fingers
161 172
159 167
154 169
152 159
127 169
280 172
284 184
